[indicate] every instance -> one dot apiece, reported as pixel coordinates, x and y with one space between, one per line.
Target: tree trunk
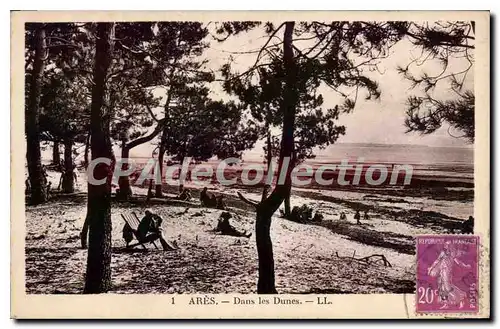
161 155
68 183
287 206
265 192
125 189
269 158
265 210
288 210
86 153
33 154
124 181
56 155
98 274
85 231
188 175
266 283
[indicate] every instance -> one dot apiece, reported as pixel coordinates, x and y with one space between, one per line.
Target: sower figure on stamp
442 269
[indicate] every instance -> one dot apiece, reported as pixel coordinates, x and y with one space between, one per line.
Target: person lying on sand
225 227
150 229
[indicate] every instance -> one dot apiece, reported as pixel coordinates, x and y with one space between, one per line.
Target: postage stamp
447 274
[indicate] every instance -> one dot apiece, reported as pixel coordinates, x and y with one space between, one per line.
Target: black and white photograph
296 157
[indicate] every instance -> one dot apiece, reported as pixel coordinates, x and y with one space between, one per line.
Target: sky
373 121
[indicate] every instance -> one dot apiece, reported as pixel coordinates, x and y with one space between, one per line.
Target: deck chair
133 221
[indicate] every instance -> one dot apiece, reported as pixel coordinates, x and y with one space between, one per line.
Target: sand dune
309 258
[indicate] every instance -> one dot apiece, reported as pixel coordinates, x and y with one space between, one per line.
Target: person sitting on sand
343 216
185 195
220 203
207 200
357 217
318 217
225 227
468 226
150 229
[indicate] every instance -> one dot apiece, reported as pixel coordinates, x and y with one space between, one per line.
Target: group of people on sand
357 216
184 194
467 226
150 226
223 225
45 178
45 182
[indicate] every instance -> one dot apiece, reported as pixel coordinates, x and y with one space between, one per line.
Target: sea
435 162
452 162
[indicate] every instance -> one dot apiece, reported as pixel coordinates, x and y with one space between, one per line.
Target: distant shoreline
404 145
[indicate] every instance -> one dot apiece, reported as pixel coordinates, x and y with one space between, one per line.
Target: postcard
250 165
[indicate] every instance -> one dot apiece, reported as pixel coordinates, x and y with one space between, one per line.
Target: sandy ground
308 258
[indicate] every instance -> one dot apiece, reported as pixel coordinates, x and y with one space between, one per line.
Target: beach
322 257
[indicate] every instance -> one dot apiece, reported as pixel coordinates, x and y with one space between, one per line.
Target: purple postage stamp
447 274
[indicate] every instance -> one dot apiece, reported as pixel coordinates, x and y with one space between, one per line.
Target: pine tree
98 274
44 43
36 41
334 57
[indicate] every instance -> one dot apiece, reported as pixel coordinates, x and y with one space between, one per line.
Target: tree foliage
446 43
65 107
201 128
333 55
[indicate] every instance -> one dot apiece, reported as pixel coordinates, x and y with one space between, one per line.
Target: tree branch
253 68
151 113
250 202
267 42
147 138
